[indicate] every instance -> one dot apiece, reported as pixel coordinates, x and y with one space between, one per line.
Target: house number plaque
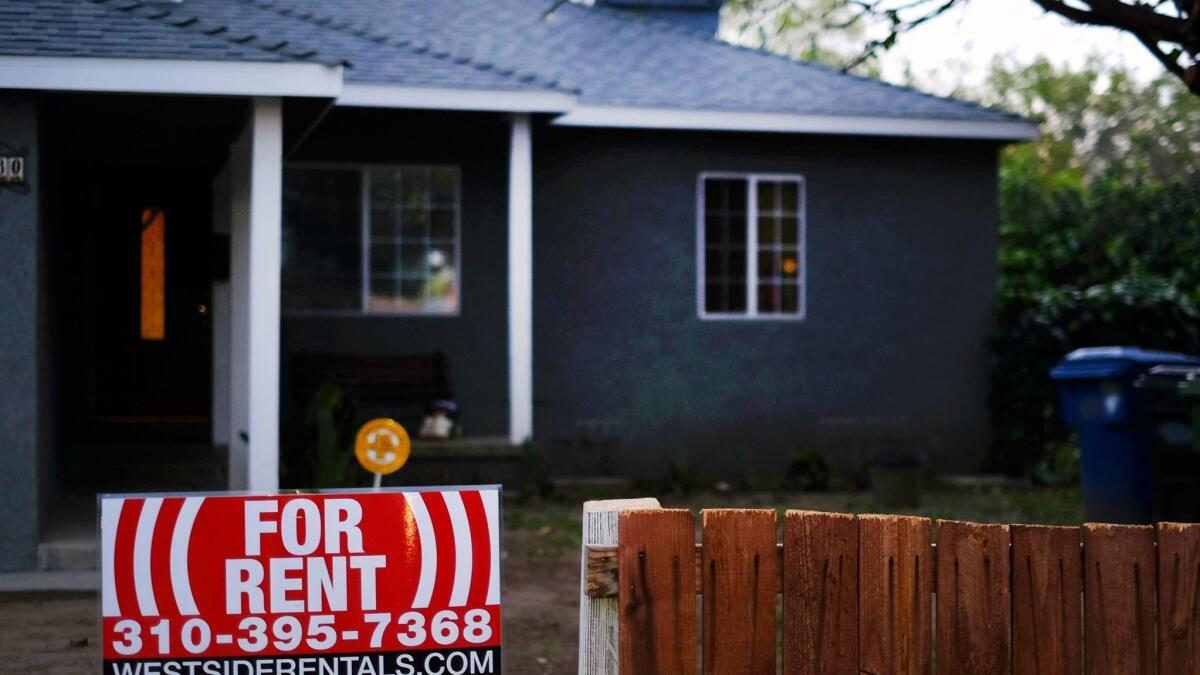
12 170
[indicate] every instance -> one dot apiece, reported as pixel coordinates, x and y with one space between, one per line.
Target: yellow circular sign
382 446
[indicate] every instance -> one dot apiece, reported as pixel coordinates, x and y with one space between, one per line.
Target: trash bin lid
1108 362
1166 377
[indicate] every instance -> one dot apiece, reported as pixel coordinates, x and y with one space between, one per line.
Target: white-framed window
371 239
750 246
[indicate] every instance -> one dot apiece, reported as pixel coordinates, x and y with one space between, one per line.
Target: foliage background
1099 241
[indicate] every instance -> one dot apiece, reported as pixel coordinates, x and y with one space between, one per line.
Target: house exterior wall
901 243
475 341
21 357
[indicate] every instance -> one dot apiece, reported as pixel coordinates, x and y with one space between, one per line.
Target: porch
168 321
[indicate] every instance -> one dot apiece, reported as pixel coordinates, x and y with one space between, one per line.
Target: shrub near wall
1110 261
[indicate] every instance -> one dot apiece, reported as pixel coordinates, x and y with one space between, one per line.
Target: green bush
1110 261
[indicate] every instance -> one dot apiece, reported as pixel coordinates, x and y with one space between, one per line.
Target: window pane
737 297
737 196
385 259
768 229
441 224
768 298
414 223
791 299
414 188
768 264
737 263
416 268
737 229
385 222
790 267
412 259
789 230
789 197
322 239
767 200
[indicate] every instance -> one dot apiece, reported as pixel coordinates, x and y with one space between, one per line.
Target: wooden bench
391 385
860 594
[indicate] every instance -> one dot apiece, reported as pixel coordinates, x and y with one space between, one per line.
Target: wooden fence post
597 615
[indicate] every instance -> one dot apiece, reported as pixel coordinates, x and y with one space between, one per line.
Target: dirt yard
56 632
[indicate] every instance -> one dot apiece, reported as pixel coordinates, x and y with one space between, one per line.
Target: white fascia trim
432 98
718 120
170 76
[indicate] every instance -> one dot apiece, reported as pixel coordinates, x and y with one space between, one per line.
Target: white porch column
256 170
520 281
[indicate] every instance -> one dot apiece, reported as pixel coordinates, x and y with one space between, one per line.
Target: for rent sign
372 583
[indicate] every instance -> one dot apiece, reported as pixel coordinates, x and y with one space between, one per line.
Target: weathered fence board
1047 580
972 598
1118 599
657 596
1179 598
894 586
820 594
739 572
597 611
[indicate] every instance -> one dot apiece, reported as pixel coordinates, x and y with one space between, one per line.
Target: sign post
389 582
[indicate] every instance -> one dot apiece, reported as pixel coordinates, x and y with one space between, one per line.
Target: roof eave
720 120
170 76
442 98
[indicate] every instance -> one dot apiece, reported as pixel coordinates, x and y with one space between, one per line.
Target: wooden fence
876 595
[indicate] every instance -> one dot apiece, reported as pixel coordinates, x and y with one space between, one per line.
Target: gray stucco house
622 238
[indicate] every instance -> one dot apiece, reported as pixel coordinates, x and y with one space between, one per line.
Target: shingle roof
606 57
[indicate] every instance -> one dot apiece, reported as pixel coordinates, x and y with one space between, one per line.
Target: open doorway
138 242
129 261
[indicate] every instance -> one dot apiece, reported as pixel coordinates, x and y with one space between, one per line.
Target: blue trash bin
1095 387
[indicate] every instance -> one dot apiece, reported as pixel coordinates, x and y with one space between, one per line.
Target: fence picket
972 598
894 583
1047 581
820 594
1118 600
739 569
1179 598
657 597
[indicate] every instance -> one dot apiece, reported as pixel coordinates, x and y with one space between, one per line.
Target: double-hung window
373 239
751 246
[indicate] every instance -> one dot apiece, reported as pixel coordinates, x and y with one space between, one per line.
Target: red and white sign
338 583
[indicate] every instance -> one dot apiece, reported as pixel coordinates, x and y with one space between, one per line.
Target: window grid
769 226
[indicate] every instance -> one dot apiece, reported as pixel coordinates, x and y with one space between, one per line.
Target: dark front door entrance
146 234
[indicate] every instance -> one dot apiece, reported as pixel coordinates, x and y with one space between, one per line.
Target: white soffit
717 120
170 76
433 98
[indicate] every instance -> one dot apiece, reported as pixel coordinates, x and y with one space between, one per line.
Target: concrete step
68 555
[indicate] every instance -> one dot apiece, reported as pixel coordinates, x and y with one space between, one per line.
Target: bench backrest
875 594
